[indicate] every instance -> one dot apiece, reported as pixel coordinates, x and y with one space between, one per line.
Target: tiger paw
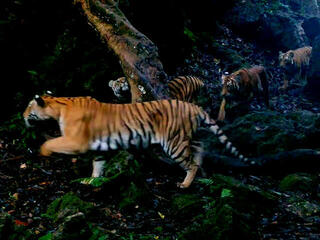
45 152
181 185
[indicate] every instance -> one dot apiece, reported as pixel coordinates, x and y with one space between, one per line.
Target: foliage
67 205
18 134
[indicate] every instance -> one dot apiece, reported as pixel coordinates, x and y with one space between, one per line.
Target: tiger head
230 84
119 86
286 58
40 108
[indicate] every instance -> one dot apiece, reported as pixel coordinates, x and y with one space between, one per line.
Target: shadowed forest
252 66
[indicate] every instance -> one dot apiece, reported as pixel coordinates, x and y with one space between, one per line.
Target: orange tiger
183 88
244 83
87 124
295 64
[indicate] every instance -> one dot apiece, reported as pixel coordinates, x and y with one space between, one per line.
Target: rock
74 227
67 205
311 27
284 30
313 85
270 132
305 7
298 182
134 194
266 22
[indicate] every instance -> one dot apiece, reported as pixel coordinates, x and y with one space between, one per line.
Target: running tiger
183 88
244 83
295 64
87 124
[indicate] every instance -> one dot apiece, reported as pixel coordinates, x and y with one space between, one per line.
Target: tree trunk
138 55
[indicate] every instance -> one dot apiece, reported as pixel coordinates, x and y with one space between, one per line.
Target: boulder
305 7
284 31
313 85
273 24
67 205
298 182
311 27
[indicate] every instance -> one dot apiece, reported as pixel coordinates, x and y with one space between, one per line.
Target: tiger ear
111 83
39 100
48 92
280 54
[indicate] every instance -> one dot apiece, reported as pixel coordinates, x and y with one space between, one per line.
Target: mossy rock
298 182
134 194
221 222
232 210
270 132
225 186
67 205
184 205
74 227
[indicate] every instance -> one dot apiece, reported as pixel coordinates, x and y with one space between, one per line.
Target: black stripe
130 133
170 124
180 153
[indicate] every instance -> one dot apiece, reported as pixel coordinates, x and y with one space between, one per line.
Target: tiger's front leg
222 110
62 145
98 167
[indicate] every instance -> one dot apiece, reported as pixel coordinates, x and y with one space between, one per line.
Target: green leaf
95 181
46 237
226 193
34 73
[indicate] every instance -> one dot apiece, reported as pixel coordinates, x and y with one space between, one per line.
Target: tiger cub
183 88
87 124
244 83
295 64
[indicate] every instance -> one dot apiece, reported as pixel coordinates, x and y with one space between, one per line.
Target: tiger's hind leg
190 162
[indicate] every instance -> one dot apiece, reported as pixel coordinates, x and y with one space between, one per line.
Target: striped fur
183 88
295 64
87 124
245 83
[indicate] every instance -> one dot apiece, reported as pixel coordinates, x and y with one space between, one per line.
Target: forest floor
29 184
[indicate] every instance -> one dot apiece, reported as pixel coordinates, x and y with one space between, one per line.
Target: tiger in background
183 88
295 64
87 124
244 83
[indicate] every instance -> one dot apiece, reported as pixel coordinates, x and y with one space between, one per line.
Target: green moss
297 182
271 132
232 210
67 205
221 222
186 204
133 195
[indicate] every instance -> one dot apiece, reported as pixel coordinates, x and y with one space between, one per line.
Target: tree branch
138 55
